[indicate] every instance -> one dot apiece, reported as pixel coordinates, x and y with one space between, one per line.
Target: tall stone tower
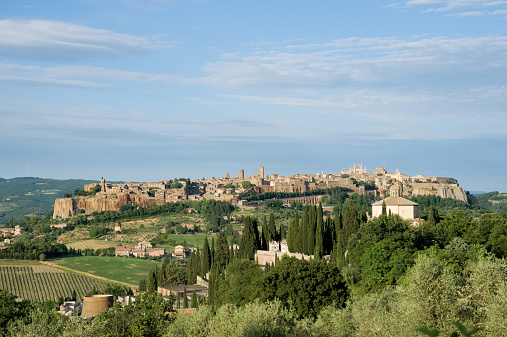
241 174
102 184
261 172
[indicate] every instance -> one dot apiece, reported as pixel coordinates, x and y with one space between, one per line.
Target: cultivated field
91 244
40 283
120 269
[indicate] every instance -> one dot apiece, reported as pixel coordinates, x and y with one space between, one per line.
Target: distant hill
27 196
496 202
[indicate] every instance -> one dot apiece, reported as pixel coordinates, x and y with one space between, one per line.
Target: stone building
397 205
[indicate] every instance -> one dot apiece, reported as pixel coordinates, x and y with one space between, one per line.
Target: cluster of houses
7 233
144 249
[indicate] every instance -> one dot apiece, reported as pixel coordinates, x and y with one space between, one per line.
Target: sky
145 90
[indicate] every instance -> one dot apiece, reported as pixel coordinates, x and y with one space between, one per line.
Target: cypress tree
290 236
350 222
248 245
264 234
312 230
212 251
185 299
231 252
193 300
319 235
283 234
328 235
272 228
256 231
295 234
205 258
221 252
384 210
178 306
152 282
302 241
433 217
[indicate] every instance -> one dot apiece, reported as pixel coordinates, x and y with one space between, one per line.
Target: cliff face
441 190
68 207
64 208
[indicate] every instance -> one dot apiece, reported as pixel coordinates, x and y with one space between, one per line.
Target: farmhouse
17 230
397 205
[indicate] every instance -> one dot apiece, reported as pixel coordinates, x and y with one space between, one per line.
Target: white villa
403 207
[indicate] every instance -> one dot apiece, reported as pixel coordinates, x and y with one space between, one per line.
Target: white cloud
78 75
53 40
374 77
480 6
362 62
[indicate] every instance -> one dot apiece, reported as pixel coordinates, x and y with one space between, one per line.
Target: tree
311 230
248 245
293 235
301 243
10 310
152 282
305 286
319 236
185 298
193 300
246 184
272 228
143 286
238 287
205 258
264 234
221 252
350 223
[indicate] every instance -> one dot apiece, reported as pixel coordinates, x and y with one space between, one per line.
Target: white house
403 207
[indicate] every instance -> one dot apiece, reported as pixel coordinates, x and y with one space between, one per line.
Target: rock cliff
68 207
442 190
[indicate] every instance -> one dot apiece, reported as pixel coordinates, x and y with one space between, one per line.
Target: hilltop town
106 196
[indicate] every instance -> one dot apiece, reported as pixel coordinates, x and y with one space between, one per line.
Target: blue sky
144 90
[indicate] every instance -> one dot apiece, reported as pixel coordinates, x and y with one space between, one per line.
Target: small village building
61 225
17 230
123 251
140 253
274 246
156 252
179 252
144 245
397 205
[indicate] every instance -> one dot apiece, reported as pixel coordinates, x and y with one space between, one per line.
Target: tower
241 174
261 171
102 184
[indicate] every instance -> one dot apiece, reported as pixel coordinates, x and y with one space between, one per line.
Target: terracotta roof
396 201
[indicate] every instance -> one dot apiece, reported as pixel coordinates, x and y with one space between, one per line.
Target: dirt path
100 278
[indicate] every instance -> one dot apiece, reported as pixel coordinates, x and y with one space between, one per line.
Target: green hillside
22 197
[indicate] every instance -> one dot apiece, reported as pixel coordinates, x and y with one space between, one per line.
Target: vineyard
41 283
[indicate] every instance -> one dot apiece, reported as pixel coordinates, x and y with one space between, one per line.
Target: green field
127 270
38 282
193 240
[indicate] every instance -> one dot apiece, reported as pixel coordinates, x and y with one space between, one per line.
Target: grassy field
195 240
38 282
127 270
